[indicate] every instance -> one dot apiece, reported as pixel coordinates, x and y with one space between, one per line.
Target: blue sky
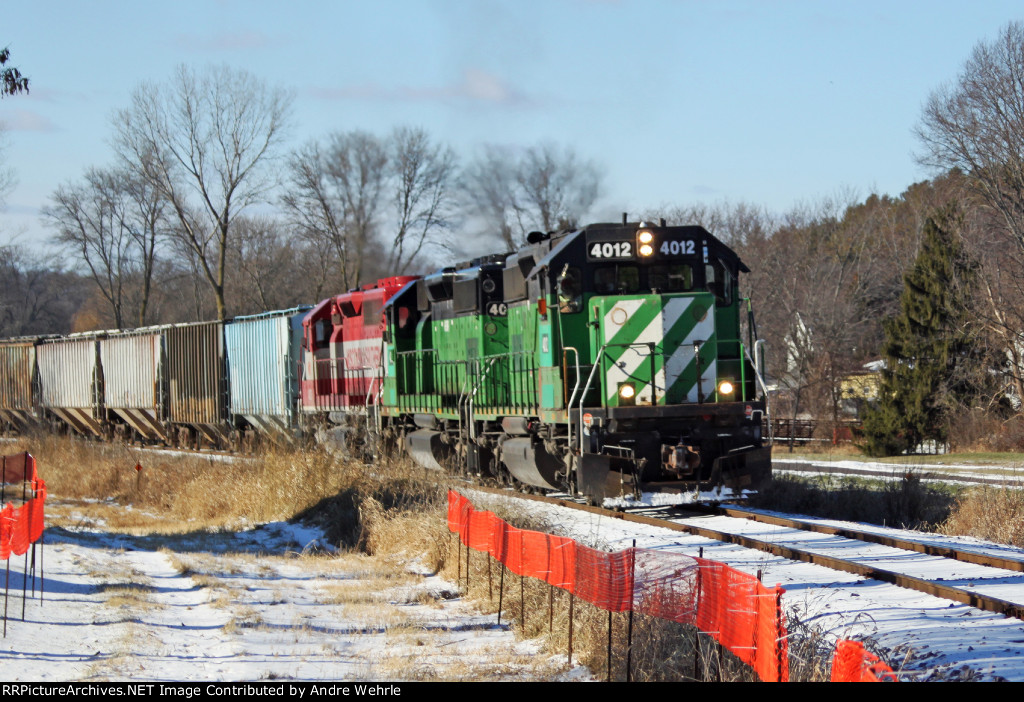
773 103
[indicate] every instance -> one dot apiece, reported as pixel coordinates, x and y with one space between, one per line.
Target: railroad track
789 541
988 581
924 472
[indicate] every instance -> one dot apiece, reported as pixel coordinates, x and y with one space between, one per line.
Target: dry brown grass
393 511
176 493
995 514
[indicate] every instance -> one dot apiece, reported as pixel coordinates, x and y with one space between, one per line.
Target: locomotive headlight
627 393
645 242
725 387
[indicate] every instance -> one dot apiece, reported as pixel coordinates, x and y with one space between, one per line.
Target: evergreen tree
930 366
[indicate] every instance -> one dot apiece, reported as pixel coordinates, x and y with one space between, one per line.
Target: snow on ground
932 637
260 603
250 605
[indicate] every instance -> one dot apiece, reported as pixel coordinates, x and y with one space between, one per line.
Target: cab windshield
617 280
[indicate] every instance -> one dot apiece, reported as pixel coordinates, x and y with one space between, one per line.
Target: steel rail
874 538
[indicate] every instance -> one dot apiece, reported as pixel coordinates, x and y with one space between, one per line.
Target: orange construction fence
852 663
743 615
22 526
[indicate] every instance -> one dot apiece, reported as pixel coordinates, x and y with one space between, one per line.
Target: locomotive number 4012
677 248
612 249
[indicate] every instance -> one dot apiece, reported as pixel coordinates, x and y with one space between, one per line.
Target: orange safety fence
852 663
733 607
21 526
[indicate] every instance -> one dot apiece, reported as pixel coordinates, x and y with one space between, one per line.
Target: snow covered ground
257 604
1005 474
269 603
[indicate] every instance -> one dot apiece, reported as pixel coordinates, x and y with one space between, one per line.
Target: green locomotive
603 360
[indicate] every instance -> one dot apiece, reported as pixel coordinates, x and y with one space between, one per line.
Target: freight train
601 360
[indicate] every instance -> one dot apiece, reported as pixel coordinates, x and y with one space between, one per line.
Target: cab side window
720 282
570 291
676 277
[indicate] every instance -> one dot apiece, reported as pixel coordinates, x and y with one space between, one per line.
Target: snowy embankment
928 637
247 605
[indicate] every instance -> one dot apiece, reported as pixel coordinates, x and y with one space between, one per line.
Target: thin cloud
224 41
27 121
475 86
704 190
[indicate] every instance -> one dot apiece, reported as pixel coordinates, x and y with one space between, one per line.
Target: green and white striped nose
658 349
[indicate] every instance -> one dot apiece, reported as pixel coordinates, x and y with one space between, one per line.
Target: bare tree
111 222
334 195
36 299
488 185
423 175
203 141
817 282
338 192
976 124
734 223
269 269
541 187
557 187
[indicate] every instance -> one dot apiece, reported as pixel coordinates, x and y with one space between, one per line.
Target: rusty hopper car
18 398
196 381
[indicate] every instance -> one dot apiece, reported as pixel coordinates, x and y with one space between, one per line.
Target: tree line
203 213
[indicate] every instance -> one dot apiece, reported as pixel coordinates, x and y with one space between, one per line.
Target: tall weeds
904 501
995 514
192 491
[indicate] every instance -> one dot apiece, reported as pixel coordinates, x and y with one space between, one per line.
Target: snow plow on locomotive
600 361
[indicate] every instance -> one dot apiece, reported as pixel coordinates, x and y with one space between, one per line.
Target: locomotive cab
664 391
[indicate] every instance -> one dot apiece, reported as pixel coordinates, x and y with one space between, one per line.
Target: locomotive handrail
469 401
586 389
408 400
337 369
379 377
464 393
576 387
597 364
758 363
